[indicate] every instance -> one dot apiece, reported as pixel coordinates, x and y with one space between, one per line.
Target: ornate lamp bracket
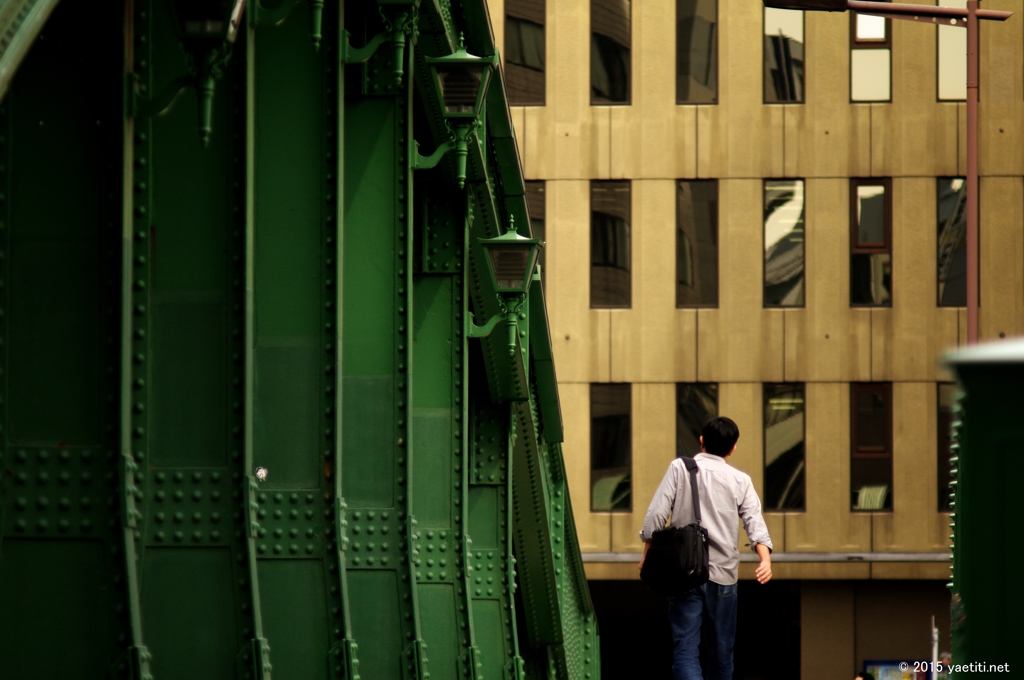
404 24
459 141
510 306
204 68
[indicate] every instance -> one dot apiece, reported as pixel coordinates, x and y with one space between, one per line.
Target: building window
696 51
536 206
947 397
524 52
610 41
871 451
784 243
610 447
697 243
871 242
952 58
783 56
952 248
870 57
783 446
695 403
610 251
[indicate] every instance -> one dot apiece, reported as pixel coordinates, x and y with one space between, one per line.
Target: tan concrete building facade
826 343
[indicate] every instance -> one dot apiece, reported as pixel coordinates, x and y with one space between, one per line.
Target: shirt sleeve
660 509
753 522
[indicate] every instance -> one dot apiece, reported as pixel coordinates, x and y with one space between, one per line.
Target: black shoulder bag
677 560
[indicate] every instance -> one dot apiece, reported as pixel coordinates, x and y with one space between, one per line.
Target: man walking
726 496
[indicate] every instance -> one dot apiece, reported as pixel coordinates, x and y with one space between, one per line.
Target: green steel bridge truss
293 299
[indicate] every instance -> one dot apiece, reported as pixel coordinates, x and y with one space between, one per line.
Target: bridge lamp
207 29
461 80
511 261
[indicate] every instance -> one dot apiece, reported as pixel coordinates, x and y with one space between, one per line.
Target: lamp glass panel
511 265
202 18
460 86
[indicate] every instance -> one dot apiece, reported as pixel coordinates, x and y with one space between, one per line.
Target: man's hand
647 546
763 573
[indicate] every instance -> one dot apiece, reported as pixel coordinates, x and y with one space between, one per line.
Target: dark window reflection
947 398
696 51
784 446
697 243
610 248
871 279
783 55
871 451
536 205
695 403
871 257
610 42
784 243
610 447
524 51
952 264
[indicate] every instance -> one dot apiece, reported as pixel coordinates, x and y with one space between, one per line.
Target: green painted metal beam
308 466
20 24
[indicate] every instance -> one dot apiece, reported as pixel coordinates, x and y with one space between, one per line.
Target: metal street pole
972 172
955 17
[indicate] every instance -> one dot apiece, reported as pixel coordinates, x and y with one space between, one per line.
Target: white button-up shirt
726 496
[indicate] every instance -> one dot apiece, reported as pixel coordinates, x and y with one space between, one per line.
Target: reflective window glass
783 55
870 57
610 42
610 447
871 449
697 243
870 242
524 51
783 446
952 57
870 214
870 28
695 403
610 247
784 243
870 76
952 242
696 51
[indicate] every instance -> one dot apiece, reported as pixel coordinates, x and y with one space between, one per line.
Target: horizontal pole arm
953 16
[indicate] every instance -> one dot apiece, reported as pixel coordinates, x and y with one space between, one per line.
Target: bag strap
691 467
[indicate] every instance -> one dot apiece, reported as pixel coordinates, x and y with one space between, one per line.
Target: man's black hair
866 676
720 435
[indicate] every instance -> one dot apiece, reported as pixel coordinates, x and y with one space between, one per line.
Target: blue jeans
714 605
